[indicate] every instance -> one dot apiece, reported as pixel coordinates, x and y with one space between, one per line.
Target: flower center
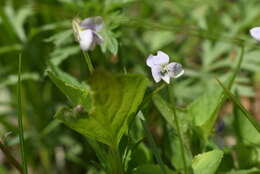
164 69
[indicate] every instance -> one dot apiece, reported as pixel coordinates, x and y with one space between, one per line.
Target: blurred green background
203 35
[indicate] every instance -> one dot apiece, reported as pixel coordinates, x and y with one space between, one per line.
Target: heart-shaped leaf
114 101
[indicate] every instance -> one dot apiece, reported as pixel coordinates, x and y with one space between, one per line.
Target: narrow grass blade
20 119
153 145
240 106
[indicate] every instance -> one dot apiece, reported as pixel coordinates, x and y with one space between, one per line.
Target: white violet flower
162 69
86 32
255 33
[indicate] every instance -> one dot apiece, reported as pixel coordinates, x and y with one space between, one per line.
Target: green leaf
139 156
13 79
60 54
115 101
166 111
77 93
110 42
248 134
246 171
207 163
241 107
175 145
158 39
17 19
150 169
203 111
114 4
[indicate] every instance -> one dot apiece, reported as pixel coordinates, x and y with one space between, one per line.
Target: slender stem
176 119
20 119
10 158
88 61
155 91
116 165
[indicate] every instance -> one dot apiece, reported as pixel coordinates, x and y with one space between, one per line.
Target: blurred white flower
255 33
86 32
162 69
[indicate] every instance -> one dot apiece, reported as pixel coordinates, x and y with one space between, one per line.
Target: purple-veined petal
175 69
166 77
93 23
86 39
255 33
156 73
161 58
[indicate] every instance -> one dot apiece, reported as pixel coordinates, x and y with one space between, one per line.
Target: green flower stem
176 119
115 162
149 97
20 119
88 61
110 159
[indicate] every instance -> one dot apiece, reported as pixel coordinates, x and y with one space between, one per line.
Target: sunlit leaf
203 111
207 163
241 107
115 102
78 93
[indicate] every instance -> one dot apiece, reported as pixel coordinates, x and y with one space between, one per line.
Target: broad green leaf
78 93
203 111
175 155
207 163
247 156
115 101
167 112
247 133
246 114
245 171
150 169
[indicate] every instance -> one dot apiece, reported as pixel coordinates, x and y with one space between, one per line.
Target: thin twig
10 158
